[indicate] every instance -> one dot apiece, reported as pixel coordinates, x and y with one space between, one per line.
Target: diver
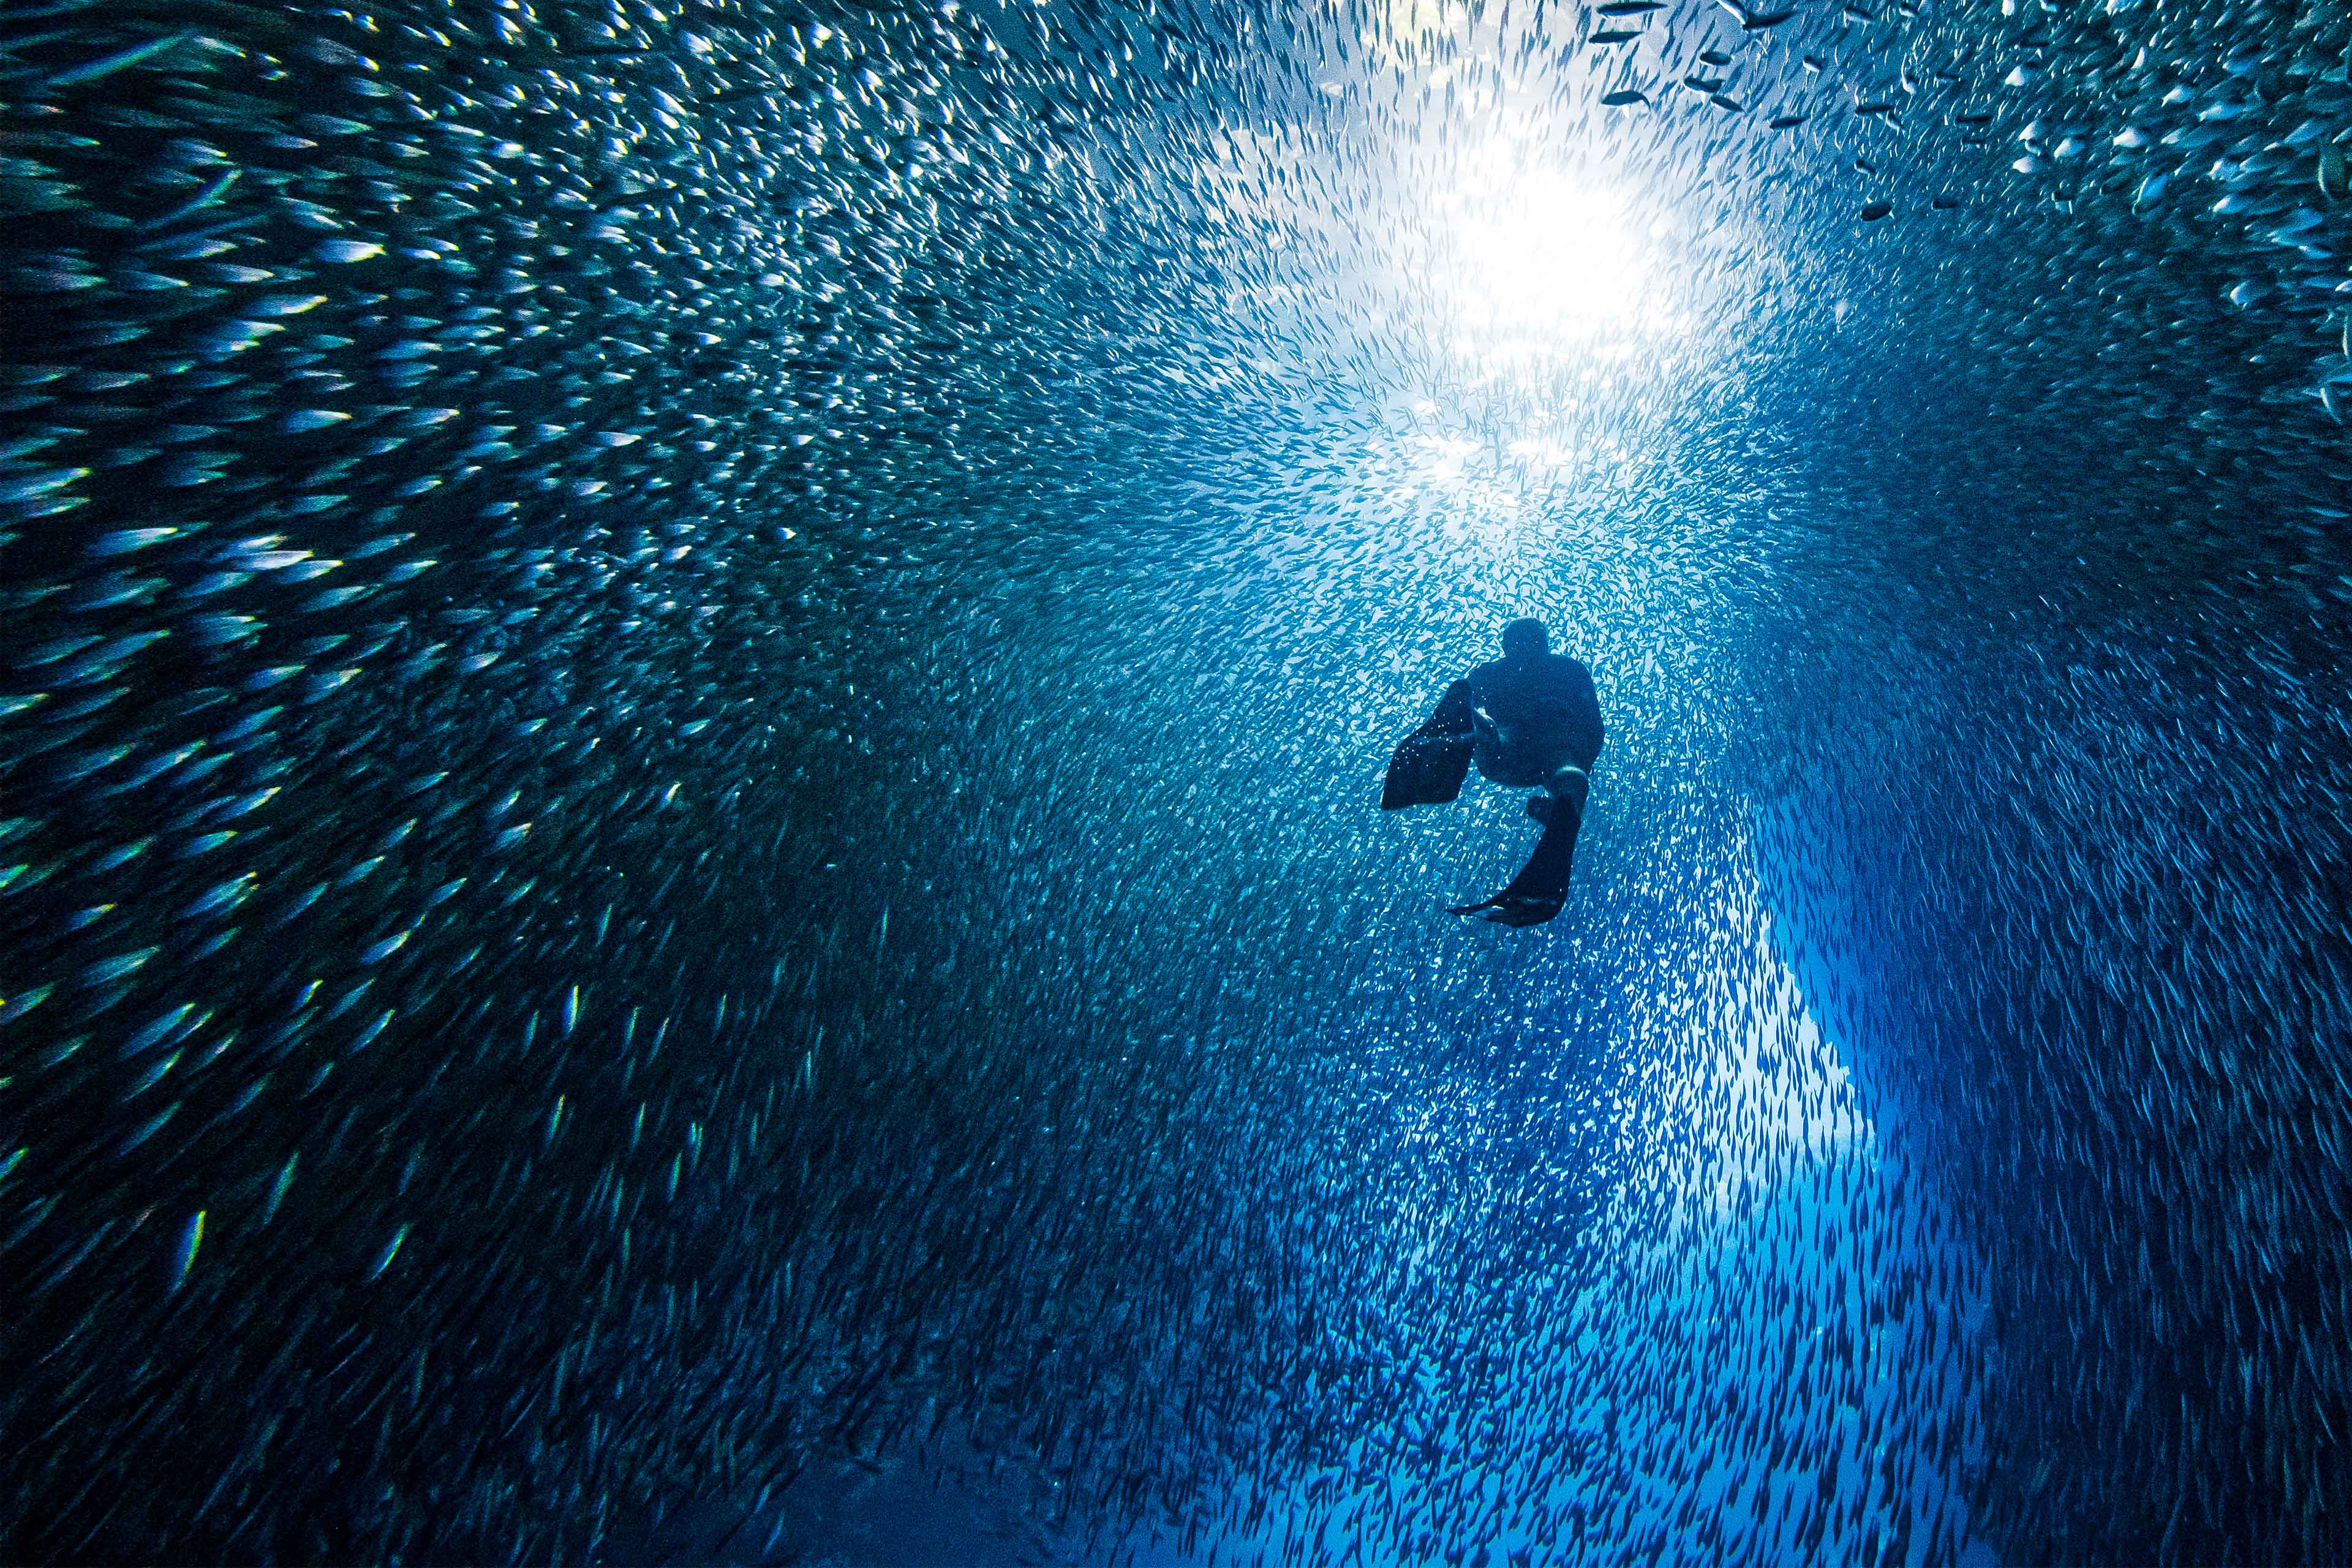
1531 721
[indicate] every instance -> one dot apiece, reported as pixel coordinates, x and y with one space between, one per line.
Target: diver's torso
1534 717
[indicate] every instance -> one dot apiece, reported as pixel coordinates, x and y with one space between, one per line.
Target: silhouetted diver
1530 719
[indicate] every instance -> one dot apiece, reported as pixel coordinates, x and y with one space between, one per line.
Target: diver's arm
1584 713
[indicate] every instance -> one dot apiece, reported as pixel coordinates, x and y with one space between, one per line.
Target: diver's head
1525 639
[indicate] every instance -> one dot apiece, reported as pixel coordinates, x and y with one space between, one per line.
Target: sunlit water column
1770 1345
1787 1301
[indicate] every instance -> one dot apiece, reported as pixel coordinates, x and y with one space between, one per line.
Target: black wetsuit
1527 723
1531 717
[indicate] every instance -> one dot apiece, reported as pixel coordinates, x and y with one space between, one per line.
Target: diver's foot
1514 909
1543 807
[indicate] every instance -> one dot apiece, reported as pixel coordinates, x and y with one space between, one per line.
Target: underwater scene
755 757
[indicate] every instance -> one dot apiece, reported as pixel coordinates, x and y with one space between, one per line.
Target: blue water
694 706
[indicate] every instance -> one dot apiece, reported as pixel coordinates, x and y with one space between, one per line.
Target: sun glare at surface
1543 252
1546 254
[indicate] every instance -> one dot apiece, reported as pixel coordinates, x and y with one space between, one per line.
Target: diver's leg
1564 781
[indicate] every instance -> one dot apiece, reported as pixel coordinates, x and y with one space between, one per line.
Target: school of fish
691 704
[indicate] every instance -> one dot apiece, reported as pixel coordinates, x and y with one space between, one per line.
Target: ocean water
692 700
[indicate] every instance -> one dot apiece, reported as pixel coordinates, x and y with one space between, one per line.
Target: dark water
694 697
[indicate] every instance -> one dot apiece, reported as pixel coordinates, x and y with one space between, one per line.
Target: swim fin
1514 910
1536 893
1429 765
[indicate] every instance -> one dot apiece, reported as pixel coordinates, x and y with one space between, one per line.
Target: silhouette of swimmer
1531 720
